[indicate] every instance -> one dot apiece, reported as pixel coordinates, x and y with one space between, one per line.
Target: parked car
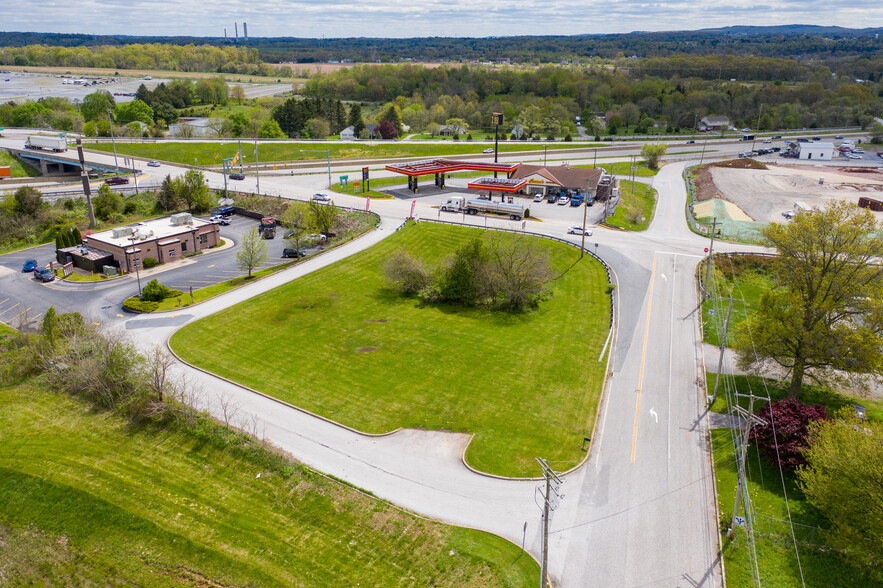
579 231
322 198
789 214
225 211
29 266
858 150
152 164
292 252
488 150
538 197
314 238
237 176
45 275
746 130
563 200
551 198
221 220
116 180
853 156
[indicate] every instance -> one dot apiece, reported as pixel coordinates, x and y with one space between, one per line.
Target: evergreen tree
355 119
78 238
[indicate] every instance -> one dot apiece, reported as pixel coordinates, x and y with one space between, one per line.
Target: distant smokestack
245 31
225 35
236 24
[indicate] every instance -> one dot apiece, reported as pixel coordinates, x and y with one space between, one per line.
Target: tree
324 217
392 113
843 478
107 202
433 129
515 273
237 94
27 201
192 189
167 197
652 152
298 219
789 419
133 111
317 128
823 318
387 130
95 105
253 251
876 132
457 125
355 120
270 130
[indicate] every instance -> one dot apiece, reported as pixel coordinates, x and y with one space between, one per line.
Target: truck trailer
476 205
57 144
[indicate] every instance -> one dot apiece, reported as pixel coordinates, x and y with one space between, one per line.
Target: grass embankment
214 153
18 168
346 347
635 209
86 498
745 278
622 168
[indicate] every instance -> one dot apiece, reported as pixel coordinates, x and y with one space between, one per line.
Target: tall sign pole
113 140
87 188
497 119
257 167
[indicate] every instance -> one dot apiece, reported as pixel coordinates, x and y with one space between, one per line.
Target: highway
640 512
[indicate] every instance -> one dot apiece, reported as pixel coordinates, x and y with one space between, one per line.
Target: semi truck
57 144
476 205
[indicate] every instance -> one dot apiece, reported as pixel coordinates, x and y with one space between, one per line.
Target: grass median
635 208
89 498
340 344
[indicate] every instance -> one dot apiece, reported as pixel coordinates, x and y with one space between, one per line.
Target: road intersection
639 512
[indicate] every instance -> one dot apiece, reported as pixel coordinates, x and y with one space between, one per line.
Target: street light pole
327 155
257 167
136 262
113 141
544 154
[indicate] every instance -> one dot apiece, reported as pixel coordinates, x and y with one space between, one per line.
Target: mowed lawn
88 498
342 345
215 153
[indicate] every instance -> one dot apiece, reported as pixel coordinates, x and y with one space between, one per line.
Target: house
518 131
818 151
451 130
543 179
196 127
164 239
372 131
348 134
714 123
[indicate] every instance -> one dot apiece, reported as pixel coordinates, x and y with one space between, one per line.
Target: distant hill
787 41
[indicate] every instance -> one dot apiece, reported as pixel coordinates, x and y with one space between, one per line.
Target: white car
858 150
767 140
789 214
563 200
746 130
579 231
488 150
152 164
538 197
853 156
322 198
220 220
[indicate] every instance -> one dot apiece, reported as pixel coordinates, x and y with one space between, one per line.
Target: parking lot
24 299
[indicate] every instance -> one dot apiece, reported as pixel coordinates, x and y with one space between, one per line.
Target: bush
469 137
406 274
155 291
149 262
456 137
137 305
791 419
567 137
526 213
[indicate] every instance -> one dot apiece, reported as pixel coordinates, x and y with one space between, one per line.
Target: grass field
87 498
340 344
776 559
18 168
636 207
214 153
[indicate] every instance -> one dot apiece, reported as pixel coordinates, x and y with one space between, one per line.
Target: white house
820 151
348 134
196 127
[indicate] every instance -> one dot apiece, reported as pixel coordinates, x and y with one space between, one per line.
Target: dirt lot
765 194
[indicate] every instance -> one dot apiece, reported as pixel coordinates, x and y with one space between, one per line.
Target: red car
116 180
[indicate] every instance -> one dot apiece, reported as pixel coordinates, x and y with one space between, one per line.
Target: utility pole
595 163
756 129
582 247
710 254
136 262
704 143
257 167
113 141
550 476
134 175
720 361
750 419
240 156
87 188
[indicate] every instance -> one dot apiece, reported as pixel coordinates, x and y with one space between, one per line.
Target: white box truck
57 144
476 205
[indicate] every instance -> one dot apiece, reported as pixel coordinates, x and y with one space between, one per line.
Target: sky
422 18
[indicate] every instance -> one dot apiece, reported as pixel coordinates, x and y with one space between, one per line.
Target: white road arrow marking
664 279
654 415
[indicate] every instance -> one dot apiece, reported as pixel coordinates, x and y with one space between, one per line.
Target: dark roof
563 175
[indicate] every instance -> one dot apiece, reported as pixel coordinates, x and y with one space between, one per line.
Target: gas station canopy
443 166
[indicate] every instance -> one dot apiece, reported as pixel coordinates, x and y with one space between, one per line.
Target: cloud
410 18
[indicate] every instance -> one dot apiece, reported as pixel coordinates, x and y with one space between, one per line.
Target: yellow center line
643 358
671 213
